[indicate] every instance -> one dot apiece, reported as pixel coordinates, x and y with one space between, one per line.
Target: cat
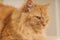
27 23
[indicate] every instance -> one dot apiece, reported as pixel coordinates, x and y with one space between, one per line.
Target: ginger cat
27 23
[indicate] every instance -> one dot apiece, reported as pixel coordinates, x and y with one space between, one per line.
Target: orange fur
23 24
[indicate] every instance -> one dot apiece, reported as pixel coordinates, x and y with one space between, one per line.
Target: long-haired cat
27 23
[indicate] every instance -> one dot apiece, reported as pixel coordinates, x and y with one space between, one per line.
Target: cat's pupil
38 17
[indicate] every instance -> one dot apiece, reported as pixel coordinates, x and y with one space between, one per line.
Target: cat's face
38 17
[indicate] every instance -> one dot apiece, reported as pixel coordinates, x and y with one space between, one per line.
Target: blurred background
59 16
53 10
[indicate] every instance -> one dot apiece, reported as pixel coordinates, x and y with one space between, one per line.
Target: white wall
51 31
15 3
59 17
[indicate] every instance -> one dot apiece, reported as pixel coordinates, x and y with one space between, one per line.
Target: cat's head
38 17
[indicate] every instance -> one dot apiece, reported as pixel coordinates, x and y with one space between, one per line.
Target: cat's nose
44 24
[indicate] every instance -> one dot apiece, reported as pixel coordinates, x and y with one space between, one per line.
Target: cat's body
5 12
25 24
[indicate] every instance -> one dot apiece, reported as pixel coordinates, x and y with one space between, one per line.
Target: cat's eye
38 17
